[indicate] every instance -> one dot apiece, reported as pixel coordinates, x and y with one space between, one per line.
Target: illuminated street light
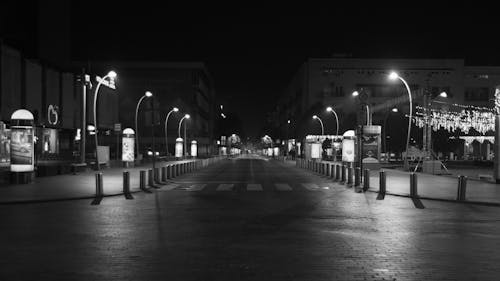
321 122
111 75
175 109
147 94
393 76
187 116
330 109
443 95
355 94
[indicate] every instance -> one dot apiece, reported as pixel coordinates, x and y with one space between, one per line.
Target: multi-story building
319 83
185 85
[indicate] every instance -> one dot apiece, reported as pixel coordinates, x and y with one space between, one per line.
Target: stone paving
328 234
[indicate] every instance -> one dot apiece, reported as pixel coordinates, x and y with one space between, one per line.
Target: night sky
253 49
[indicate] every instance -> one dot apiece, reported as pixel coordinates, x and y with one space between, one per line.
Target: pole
83 116
406 164
185 152
153 132
166 130
95 121
136 128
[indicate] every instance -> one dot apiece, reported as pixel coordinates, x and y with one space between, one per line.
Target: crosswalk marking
196 187
283 187
310 186
254 187
225 187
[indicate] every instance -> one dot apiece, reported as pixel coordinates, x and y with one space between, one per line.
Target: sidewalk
436 187
443 187
82 185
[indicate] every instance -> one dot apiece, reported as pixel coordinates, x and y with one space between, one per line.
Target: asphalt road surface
250 218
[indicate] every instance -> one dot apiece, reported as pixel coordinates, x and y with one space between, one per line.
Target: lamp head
315 117
355 93
148 94
175 109
393 75
288 121
443 95
112 74
329 109
187 116
395 109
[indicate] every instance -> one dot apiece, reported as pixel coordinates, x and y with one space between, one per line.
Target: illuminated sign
22 157
53 114
316 150
128 143
348 146
178 148
194 148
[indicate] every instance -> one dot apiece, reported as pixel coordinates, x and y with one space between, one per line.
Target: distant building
319 83
186 85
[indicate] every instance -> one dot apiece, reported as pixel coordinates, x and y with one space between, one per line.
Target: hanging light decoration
481 119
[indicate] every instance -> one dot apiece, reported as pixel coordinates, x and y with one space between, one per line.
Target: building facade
320 83
185 85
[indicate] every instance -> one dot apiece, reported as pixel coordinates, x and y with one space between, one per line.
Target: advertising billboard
128 149
371 144
348 146
22 156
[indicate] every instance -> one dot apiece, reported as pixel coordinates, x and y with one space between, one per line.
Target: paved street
250 219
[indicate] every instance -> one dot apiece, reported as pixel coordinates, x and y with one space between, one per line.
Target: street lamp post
111 75
395 109
321 122
330 109
147 94
367 107
175 109
180 124
427 132
394 76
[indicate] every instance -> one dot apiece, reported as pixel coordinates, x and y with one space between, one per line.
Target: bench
75 167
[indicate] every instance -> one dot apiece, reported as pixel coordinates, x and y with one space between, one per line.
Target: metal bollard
343 174
350 172
170 173
150 178
382 181
98 185
142 180
413 185
164 173
156 175
462 188
357 179
338 172
176 170
126 185
332 171
366 179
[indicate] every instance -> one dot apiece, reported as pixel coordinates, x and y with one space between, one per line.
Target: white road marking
310 186
283 187
196 187
254 187
225 187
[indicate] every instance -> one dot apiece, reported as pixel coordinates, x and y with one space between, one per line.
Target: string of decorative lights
481 119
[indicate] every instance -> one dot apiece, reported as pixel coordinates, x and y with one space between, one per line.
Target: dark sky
252 49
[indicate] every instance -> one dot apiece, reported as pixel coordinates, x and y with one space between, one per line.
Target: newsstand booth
314 147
